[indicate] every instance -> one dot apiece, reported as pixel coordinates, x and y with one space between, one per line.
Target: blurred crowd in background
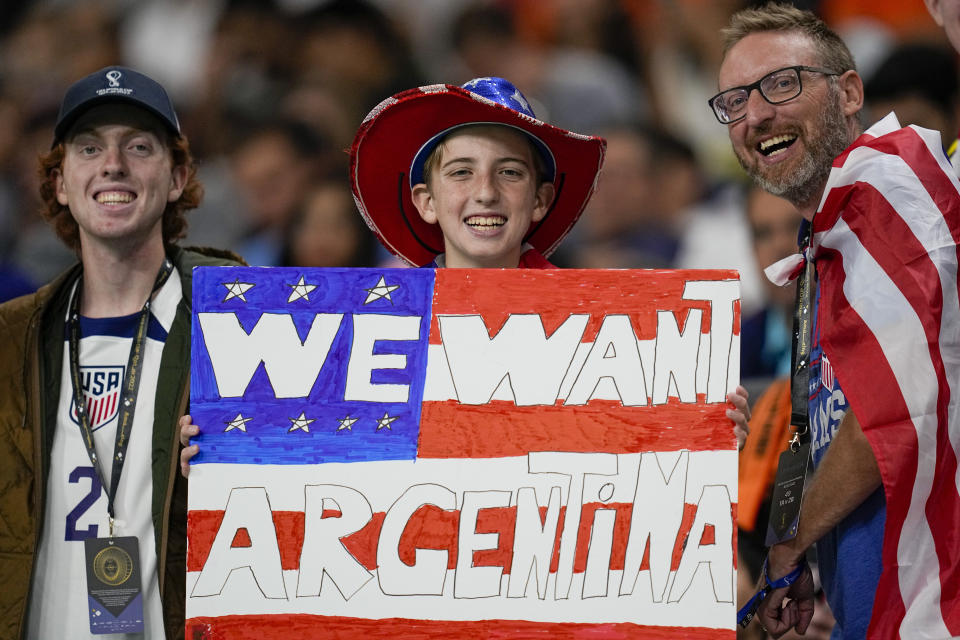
270 94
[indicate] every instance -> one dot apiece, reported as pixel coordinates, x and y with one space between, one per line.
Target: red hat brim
392 134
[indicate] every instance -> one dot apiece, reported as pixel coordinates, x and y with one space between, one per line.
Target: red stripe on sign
277 627
499 429
433 528
639 294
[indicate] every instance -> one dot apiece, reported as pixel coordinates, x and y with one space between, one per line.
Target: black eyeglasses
775 87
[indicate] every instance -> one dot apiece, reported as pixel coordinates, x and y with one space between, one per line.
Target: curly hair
174 215
774 16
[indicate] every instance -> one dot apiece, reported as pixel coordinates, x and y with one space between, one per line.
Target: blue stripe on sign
254 425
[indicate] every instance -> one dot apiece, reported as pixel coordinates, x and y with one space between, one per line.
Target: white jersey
76 503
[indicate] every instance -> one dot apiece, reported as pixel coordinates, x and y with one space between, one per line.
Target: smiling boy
468 177
484 189
492 186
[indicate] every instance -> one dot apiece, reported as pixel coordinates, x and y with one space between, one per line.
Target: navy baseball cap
115 84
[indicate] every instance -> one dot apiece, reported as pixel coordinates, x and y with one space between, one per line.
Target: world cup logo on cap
114 77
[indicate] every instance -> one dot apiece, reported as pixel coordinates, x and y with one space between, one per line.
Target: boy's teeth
114 197
486 221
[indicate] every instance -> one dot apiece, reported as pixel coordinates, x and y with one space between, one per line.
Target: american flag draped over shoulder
885 244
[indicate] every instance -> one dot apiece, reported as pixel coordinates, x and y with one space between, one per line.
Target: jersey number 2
72 533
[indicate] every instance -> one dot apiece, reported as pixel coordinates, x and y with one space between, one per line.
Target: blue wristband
749 610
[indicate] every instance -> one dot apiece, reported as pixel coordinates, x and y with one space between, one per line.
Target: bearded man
875 377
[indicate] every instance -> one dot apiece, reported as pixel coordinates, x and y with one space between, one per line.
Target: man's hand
740 414
790 607
187 431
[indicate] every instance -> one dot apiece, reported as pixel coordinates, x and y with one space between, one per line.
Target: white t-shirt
76 503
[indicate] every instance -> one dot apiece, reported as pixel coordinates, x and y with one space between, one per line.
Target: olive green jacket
31 357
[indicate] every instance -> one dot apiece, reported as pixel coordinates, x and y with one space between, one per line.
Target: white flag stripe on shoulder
901 187
934 145
888 187
896 180
883 126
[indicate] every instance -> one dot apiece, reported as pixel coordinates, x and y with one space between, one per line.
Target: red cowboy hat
393 141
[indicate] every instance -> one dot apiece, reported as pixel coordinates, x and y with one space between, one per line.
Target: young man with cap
95 375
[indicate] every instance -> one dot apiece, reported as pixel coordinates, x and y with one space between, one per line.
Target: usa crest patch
101 393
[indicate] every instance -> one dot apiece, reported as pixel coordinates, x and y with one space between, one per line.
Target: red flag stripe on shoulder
889 427
929 289
853 364
920 282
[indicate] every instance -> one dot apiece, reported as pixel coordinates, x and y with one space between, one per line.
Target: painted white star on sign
384 422
519 98
347 423
237 423
236 289
300 290
382 290
300 422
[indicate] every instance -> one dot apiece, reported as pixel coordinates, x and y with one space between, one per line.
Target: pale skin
116 178
946 13
848 473
484 195
754 57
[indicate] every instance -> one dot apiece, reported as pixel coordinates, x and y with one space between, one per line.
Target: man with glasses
873 376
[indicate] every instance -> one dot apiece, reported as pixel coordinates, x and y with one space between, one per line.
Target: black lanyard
800 356
128 393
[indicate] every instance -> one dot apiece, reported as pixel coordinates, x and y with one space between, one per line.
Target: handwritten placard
462 453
